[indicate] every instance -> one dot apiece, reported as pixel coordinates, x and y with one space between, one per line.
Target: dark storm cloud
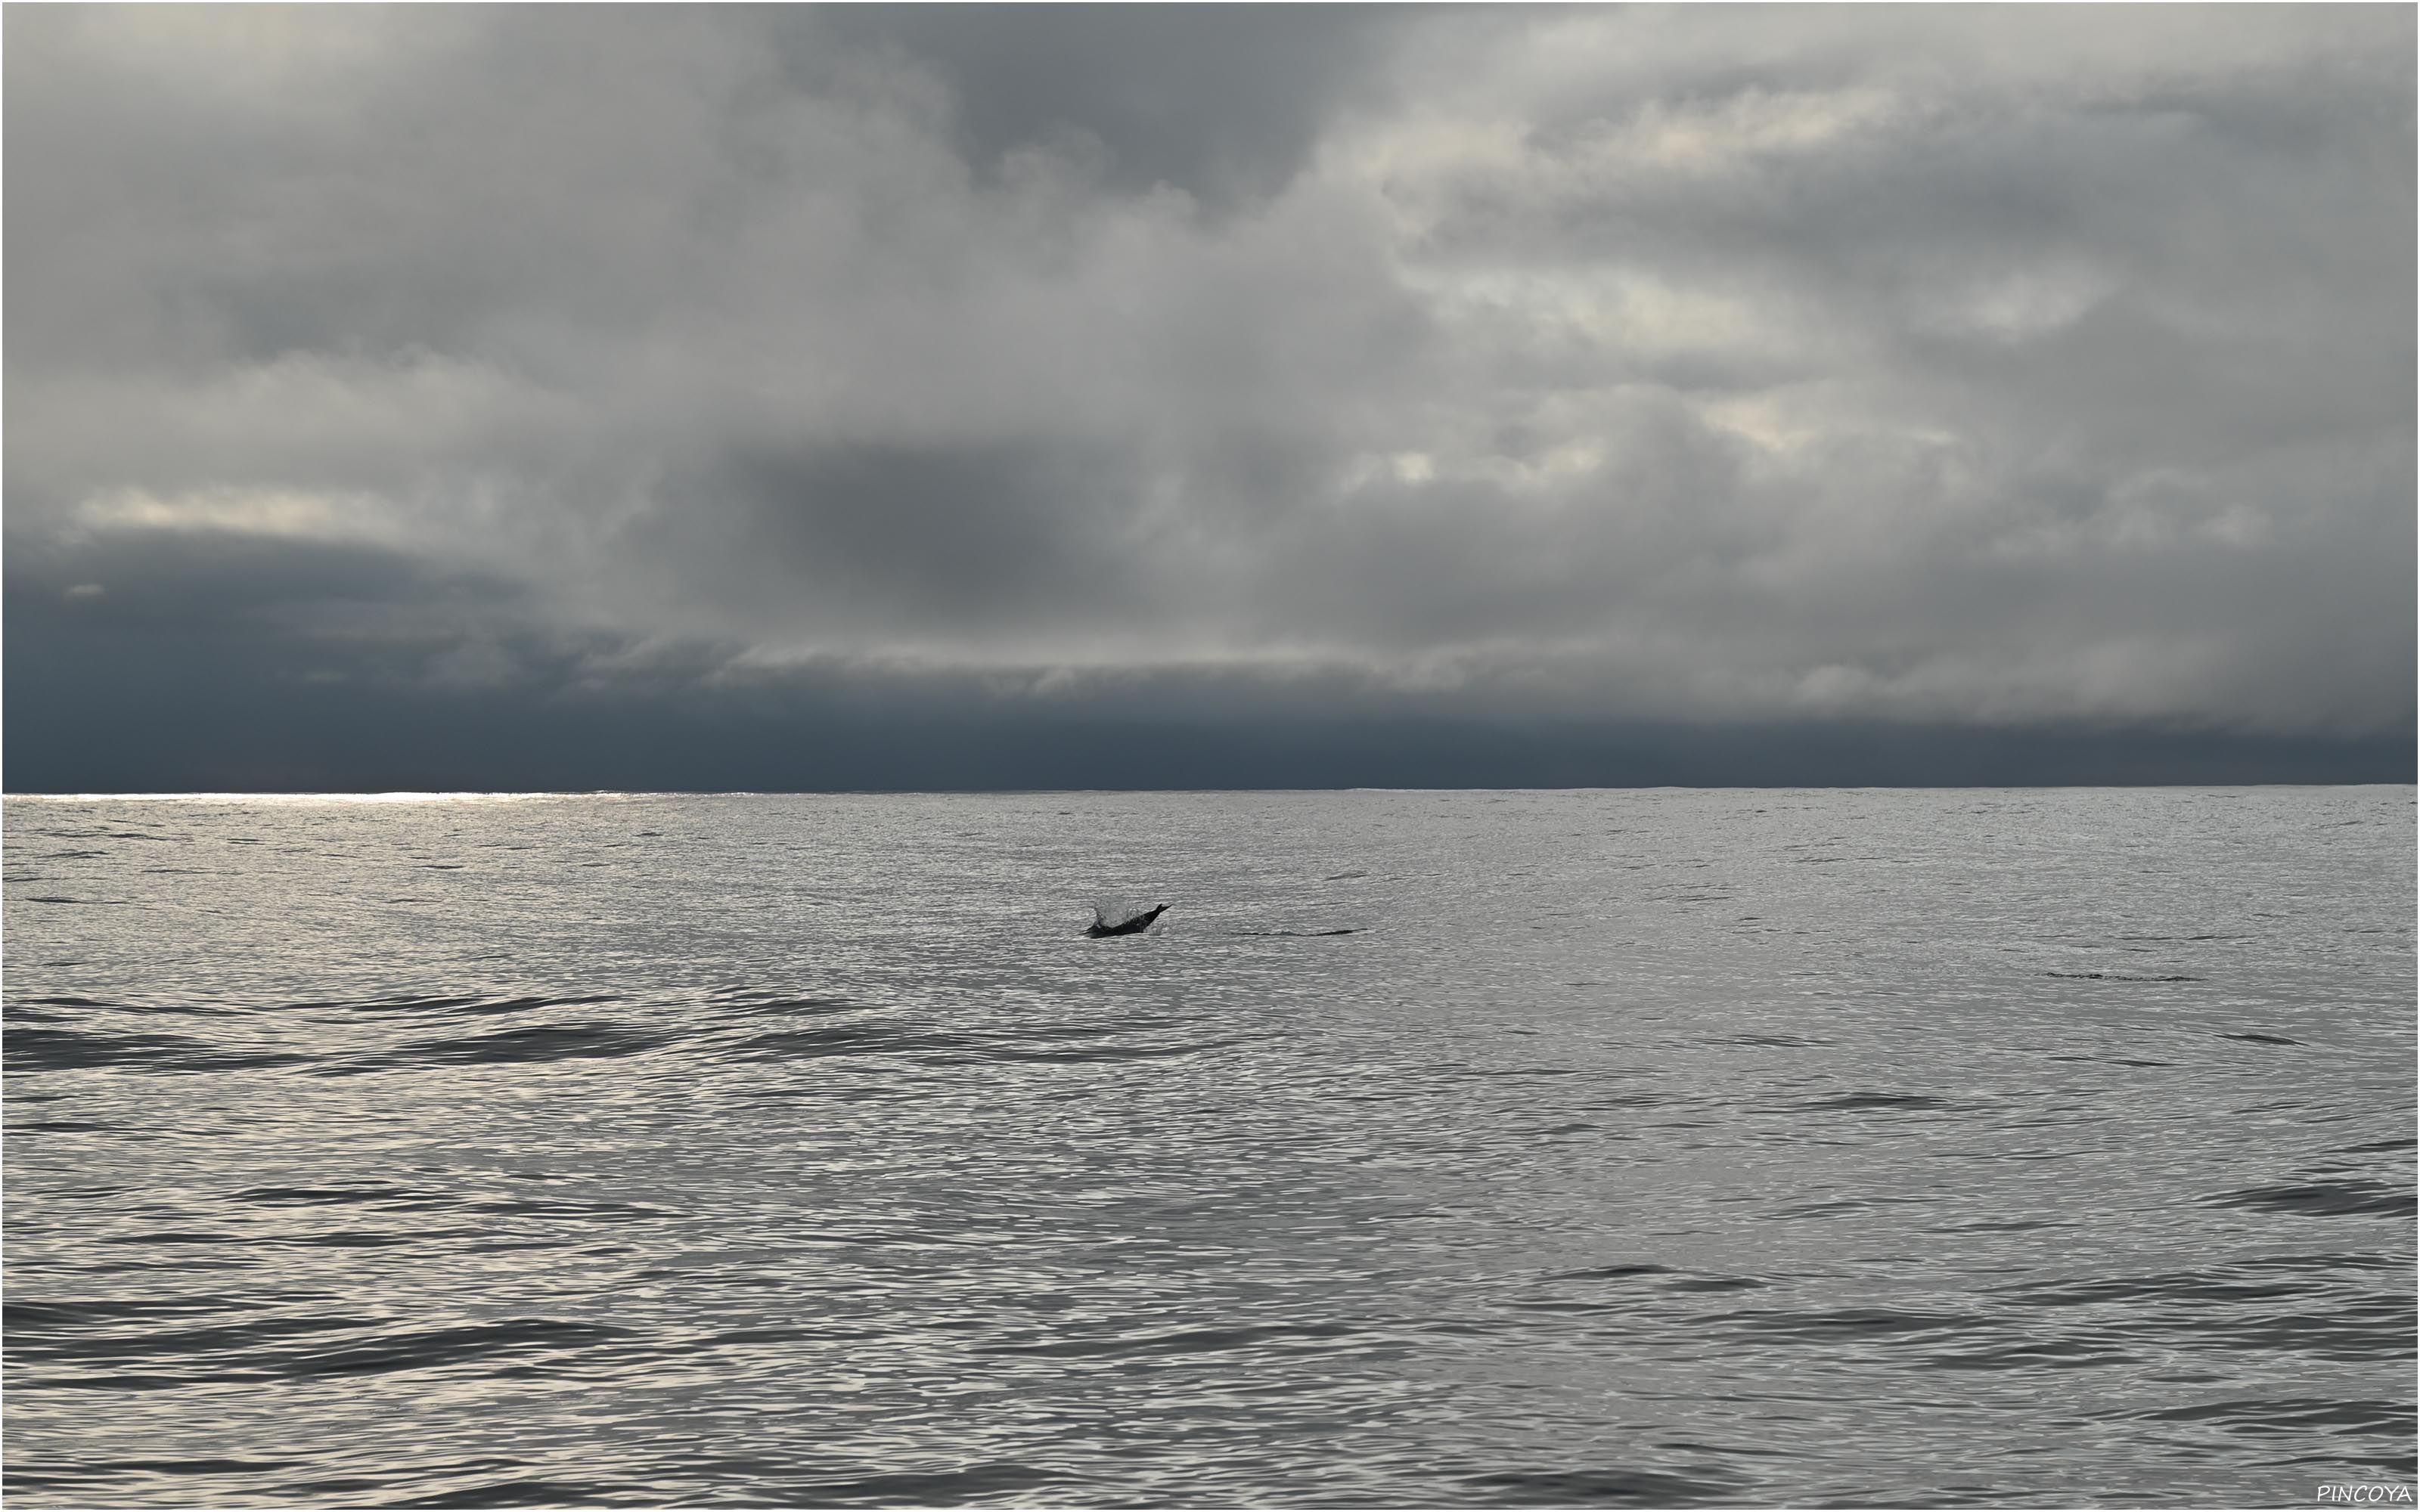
1192 97
1961 368
185 579
225 705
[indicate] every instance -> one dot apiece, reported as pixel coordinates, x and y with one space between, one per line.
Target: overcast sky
540 386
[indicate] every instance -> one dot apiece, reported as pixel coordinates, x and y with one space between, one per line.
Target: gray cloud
1180 95
1961 366
888 539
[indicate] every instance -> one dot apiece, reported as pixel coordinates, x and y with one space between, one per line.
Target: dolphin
1103 928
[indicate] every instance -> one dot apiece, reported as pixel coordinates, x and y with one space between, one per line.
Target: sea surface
1436 1149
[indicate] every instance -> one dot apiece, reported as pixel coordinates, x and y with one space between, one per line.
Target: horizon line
457 795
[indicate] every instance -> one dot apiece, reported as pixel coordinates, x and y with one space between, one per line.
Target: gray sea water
1901 1147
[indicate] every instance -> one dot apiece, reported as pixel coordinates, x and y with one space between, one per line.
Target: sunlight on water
312 800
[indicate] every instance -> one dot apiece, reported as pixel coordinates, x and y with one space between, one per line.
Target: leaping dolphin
1102 927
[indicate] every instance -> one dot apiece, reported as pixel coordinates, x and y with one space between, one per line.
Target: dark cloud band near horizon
971 396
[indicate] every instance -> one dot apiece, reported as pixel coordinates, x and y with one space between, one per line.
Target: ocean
1434 1148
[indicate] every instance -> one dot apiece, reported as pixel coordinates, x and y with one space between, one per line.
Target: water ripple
632 1150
